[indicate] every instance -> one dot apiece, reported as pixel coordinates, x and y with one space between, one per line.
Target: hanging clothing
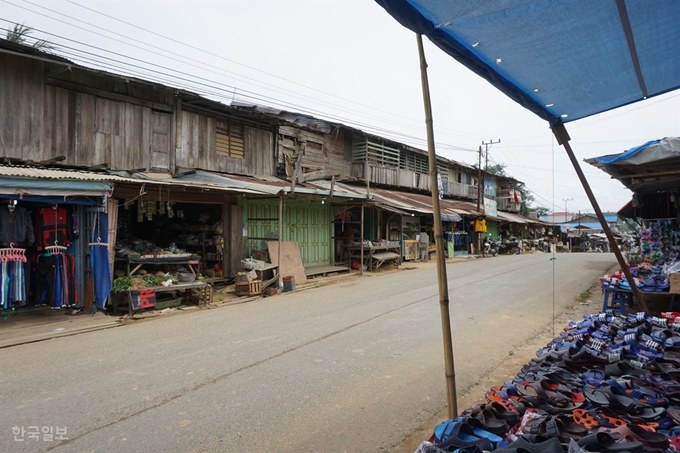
53 280
16 227
101 268
53 225
480 226
12 284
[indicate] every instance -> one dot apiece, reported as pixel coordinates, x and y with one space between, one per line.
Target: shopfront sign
490 207
143 298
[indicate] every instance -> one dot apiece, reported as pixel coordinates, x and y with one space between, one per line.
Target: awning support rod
563 139
439 241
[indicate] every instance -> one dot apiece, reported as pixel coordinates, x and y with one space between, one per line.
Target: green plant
19 35
121 284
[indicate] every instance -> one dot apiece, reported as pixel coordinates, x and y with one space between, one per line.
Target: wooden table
617 298
190 262
374 256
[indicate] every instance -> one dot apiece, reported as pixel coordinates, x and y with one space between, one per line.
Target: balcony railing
399 177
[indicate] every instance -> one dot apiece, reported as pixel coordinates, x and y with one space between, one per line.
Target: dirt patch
586 303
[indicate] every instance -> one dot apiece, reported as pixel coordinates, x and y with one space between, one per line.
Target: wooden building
58 112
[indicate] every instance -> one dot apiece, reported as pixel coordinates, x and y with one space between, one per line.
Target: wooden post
439 241
278 263
361 263
563 139
177 139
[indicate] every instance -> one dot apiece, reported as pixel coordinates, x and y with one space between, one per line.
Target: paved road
353 366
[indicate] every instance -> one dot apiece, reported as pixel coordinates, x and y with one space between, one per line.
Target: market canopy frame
563 61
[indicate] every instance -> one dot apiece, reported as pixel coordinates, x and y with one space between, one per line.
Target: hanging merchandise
53 279
140 211
171 212
53 227
16 226
76 223
101 269
161 208
150 205
12 270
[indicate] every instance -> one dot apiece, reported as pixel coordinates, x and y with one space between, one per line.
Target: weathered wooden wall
198 148
329 158
94 119
41 119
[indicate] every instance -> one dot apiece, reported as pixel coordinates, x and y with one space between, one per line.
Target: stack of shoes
607 383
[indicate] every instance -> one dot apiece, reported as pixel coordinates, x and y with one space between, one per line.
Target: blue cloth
561 60
101 269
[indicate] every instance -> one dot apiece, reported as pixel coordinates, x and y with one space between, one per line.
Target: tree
496 169
19 35
540 211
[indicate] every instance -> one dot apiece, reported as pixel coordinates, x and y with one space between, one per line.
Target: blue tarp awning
563 60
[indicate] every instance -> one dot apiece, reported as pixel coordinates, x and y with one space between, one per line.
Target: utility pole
486 144
486 165
479 178
565 207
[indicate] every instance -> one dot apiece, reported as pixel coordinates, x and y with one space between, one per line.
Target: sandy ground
507 369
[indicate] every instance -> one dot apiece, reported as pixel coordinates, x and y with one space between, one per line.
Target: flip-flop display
647 277
607 383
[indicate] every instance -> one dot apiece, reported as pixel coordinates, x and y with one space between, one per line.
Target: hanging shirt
53 225
16 227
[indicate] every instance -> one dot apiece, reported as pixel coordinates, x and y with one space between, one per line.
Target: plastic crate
169 303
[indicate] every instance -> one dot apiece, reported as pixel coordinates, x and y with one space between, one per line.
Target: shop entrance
191 231
41 257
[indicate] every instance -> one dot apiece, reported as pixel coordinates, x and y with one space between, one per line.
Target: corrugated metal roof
513 218
82 175
49 173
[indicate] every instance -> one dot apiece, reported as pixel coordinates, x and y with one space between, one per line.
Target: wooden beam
108 95
53 160
103 166
648 175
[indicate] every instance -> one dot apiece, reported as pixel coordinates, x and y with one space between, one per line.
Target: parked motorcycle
510 248
490 247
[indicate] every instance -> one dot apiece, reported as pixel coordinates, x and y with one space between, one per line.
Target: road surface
350 367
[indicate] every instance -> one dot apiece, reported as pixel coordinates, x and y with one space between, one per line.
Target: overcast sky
347 61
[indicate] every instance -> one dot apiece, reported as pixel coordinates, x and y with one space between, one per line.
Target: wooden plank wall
330 158
41 121
21 107
198 148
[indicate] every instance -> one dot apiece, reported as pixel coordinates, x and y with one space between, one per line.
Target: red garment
53 227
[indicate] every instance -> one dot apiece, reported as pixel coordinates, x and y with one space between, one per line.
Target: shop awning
23 182
513 218
650 167
451 217
263 184
561 60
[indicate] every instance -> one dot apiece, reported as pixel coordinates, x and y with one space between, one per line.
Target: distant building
559 217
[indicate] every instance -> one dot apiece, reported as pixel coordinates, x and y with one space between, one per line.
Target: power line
244 65
220 71
242 93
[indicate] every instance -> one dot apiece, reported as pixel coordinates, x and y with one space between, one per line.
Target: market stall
171 246
47 232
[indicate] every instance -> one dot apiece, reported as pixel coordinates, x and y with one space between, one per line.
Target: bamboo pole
278 263
361 263
439 241
563 139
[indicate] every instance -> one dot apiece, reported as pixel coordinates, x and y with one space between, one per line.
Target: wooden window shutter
229 139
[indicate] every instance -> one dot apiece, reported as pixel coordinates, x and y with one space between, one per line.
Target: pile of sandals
647 277
607 383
